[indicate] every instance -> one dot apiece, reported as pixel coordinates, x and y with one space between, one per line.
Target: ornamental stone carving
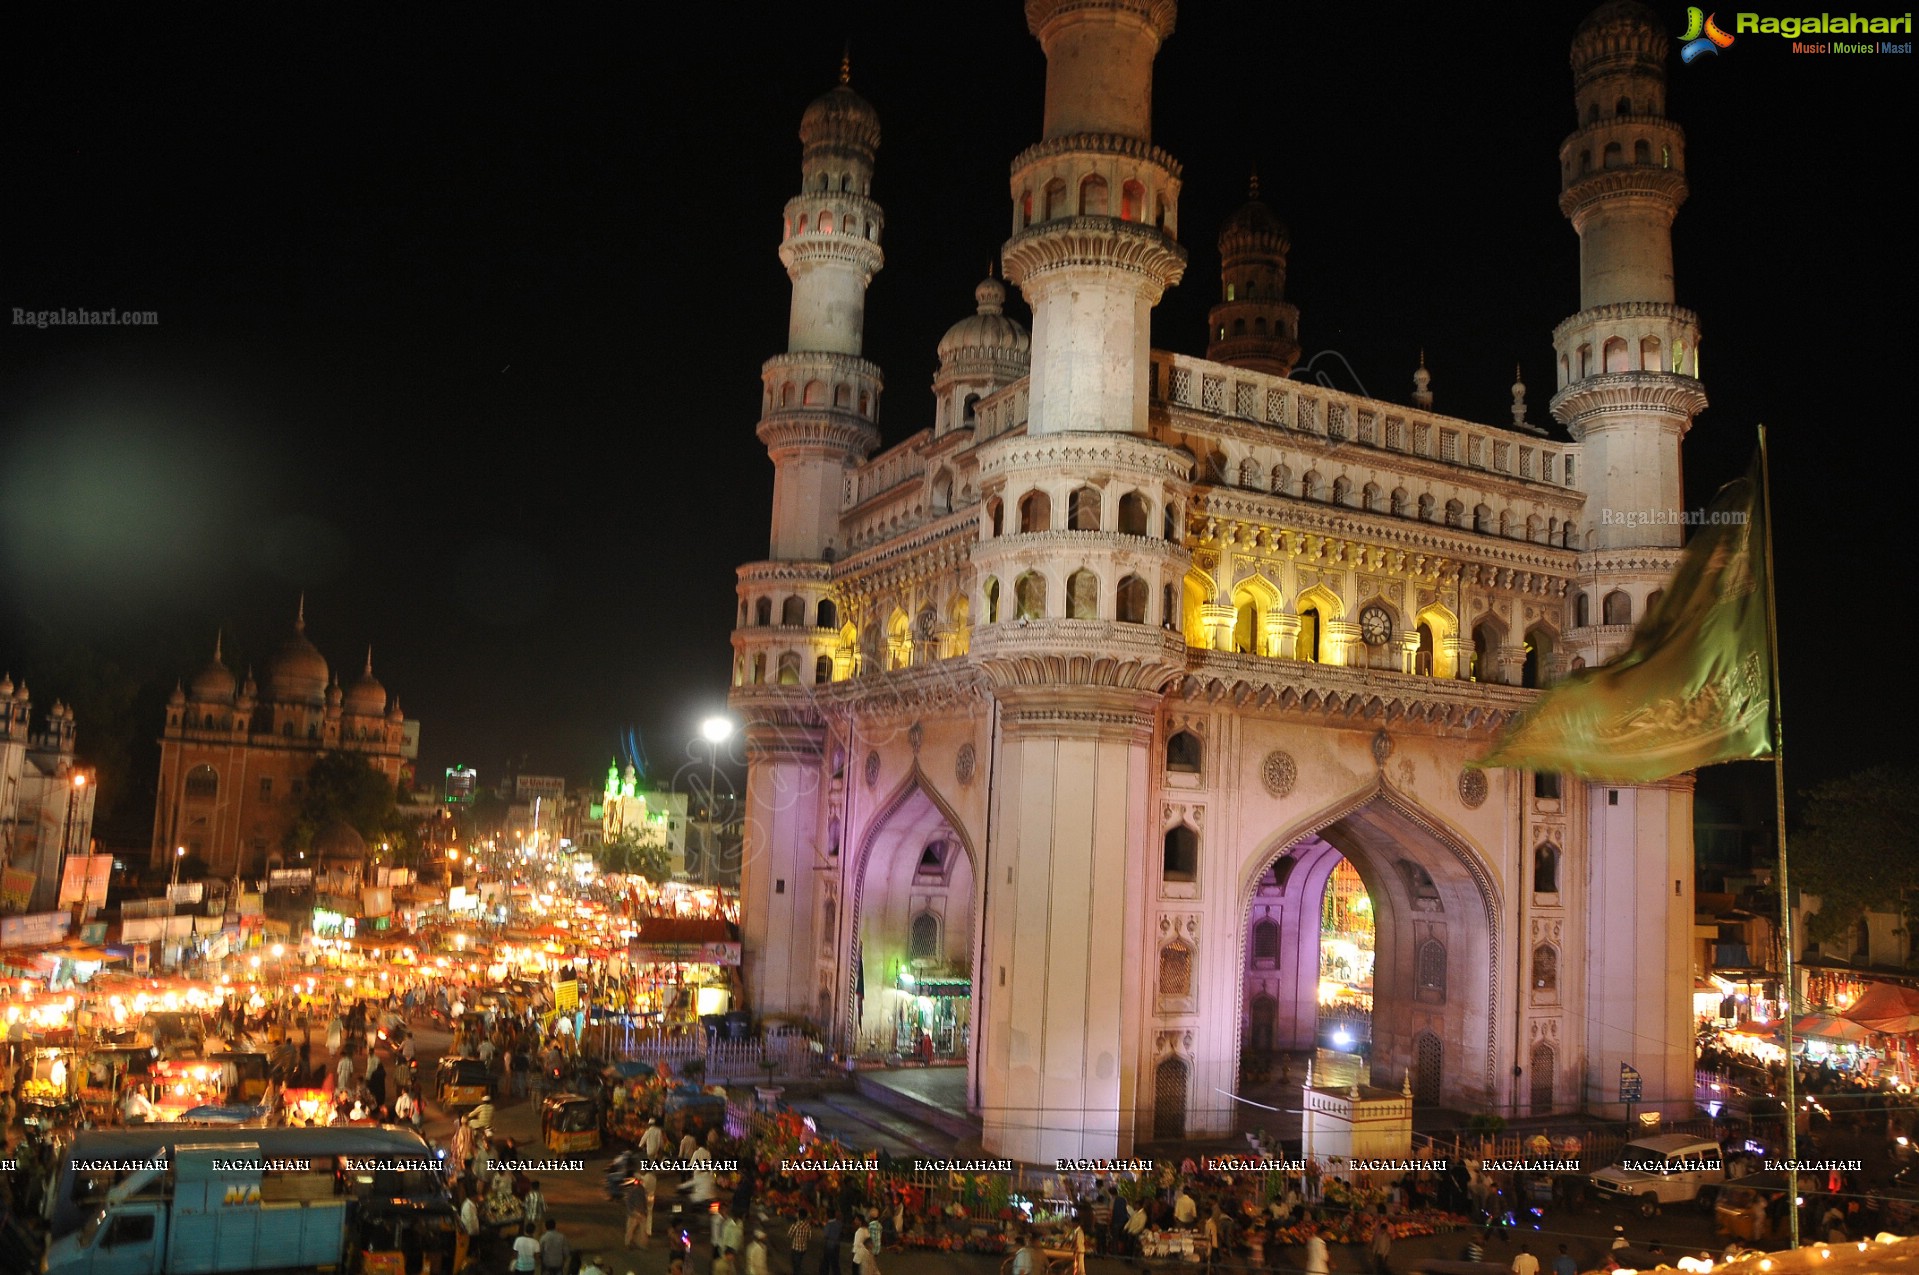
1472 788
1382 747
1279 772
872 768
964 763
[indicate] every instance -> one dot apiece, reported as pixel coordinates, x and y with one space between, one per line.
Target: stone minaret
1095 213
1252 326
821 398
818 421
1079 559
1628 391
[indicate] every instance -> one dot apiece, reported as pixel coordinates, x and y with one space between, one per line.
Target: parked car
1669 1168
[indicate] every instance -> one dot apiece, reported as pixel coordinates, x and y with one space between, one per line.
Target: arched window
1169 606
924 944
1245 623
1180 861
1623 107
1399 505
1135 514
1613 352
822 670
1092 196
1259 326
1482 518
1266 940
1426 505
207 721
814 395
991 593
1342 490
1423 658
1082 510
1582 610
1617 608
1862 942
1309 486
994 513
829 919
1585 162
1082 595
203 783
1455 513
1129 601
1169 1100
1486 644
1216 471
1176 970
1026 208
969 411
1169 523
1265 1014
1369 497
1132 201
1183 753
1642 152
1614 156
828 615
1545 1063
826 218
793 611
1546 868
1652 600
1546 785
943 492
1239 327
1539 654
763 612
1649 354
1055 199
1029 596
1035 512
1429 1054
789 669
1250 475
759 675
1430 980
1308 648
1545 968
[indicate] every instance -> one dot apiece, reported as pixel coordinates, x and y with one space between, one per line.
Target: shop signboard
35 927
644 953
85 876
16 889
142 958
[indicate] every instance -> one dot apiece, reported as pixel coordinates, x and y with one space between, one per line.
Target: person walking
534 1207
756 1254
639 1209
1318 1260
555 1251
799 1237
526 1252
862 1247
830 1233
1524 1263
1381 1249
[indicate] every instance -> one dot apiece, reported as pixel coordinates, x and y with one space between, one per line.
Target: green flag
1695 686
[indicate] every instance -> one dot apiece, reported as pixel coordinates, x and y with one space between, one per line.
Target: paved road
595 1224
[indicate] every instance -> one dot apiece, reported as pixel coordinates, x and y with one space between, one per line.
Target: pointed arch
1374 809
1197 589
1323 600
1254 599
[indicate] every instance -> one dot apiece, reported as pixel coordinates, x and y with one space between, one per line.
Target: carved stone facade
1139 644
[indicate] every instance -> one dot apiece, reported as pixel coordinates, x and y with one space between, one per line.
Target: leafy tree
346 788
1854 848
642 852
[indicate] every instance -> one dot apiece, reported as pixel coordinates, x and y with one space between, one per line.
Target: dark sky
461 313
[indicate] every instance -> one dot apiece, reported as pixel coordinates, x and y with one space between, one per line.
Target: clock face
1375 626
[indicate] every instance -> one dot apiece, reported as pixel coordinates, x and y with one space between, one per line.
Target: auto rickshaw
399 1236
462 1082
569 1122
689 1110
1744 1207
251 1073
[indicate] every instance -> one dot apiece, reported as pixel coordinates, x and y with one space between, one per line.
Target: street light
179 853
716 730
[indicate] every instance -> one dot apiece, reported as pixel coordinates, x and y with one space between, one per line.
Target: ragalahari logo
1702 35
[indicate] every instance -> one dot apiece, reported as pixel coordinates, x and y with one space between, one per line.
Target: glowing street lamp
716 730
179 853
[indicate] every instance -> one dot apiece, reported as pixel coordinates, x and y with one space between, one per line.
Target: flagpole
1779 820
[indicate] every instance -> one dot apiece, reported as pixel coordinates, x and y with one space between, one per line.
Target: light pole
716 731
66 837
179 853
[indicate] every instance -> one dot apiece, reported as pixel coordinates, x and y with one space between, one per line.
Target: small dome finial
369 659
218 635
300 619
846 63
1422 383
1252 184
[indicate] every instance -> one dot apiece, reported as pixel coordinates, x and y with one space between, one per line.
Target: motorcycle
618 1174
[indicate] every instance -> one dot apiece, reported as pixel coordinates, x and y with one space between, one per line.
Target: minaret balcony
1590 403
1103 243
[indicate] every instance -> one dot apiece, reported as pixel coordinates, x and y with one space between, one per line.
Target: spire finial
369 659
218 634
1252 185
300 619
846 63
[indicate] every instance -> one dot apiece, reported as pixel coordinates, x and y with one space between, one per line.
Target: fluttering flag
1695 685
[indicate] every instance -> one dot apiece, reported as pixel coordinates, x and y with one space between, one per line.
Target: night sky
461 314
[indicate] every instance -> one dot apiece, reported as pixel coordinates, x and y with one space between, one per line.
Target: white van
1667 1169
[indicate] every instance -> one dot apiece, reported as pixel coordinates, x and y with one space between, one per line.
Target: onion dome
840 118
214 683
1252 227
339 840
987 331
175 700
367 698
297 671
20 692
6 684
394 714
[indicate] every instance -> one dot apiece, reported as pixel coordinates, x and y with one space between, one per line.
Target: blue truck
167 1200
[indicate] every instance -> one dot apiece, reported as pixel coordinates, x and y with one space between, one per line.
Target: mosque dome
297 671
1253 227
214 683
987 330
840 117
366 697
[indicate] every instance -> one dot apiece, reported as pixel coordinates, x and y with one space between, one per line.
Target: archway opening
1308 966
912 956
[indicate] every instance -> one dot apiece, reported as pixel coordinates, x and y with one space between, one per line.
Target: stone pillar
1219 622
1337 640
779 948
